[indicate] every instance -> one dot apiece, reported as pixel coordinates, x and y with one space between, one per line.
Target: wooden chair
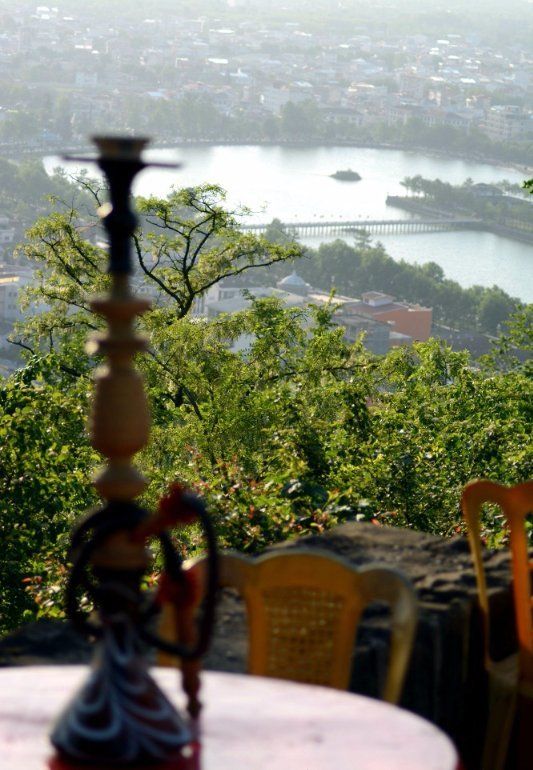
510 680
303 608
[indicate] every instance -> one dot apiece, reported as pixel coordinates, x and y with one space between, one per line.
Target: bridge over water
371 226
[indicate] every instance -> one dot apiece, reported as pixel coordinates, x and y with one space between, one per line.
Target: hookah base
188 758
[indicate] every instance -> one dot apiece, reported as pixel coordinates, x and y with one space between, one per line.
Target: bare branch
53 246
88 187
49 294
63 367
162 285
80 251
238 271
200 246
20 344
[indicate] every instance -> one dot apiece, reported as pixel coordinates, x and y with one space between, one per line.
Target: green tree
301 121
494 309
45 464
367 267
20 126
26 191
294 433
434 271
513 347
187 243
276 232
197 118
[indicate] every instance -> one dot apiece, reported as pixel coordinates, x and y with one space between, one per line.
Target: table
248 723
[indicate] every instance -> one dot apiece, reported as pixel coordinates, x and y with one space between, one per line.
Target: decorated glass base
120 713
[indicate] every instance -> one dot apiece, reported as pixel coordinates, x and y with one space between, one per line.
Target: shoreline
183 143
406 161
418 150
422 208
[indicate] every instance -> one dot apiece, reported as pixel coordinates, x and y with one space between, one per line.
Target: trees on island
299 431
488 202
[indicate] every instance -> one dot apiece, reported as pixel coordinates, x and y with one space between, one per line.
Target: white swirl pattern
120 715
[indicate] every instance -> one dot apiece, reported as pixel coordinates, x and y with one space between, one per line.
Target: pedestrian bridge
370 226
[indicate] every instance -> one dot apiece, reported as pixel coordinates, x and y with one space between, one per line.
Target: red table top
248 723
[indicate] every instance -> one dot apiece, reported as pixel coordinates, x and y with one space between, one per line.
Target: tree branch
63 367
162 285
181 388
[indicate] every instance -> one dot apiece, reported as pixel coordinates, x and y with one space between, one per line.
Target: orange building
412 320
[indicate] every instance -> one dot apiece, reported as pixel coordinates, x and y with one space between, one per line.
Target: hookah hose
180 507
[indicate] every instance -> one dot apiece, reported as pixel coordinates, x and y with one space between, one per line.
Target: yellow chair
303 608
510 680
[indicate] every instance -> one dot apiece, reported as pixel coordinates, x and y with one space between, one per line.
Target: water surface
293 184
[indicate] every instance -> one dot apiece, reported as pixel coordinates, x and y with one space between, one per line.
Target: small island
346 175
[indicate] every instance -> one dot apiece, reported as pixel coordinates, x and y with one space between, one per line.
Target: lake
293 183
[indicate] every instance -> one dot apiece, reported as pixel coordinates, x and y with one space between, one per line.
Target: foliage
27 191
43 482
513 348
494 309
203 118
439 424
294 433
502 203
258 446
187 243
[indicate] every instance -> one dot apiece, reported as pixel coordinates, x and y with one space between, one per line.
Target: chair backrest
515 502
303 608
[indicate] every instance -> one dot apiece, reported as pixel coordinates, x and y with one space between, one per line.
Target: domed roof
292 280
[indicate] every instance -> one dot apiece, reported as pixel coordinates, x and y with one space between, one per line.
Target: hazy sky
508 21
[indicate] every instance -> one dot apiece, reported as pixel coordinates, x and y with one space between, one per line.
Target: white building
273 99
293 291
507 122
7 232
12 281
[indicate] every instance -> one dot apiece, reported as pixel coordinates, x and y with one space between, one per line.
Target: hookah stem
120 161
120 417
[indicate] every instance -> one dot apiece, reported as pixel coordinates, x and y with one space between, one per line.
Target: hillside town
225 71
129 72
266 385
382 322
376 317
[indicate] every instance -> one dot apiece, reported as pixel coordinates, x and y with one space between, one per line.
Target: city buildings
246 70
505 123
384 322
413 321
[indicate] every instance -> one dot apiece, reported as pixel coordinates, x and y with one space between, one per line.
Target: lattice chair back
516 503
303 608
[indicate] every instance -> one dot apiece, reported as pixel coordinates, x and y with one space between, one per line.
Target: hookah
120 717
